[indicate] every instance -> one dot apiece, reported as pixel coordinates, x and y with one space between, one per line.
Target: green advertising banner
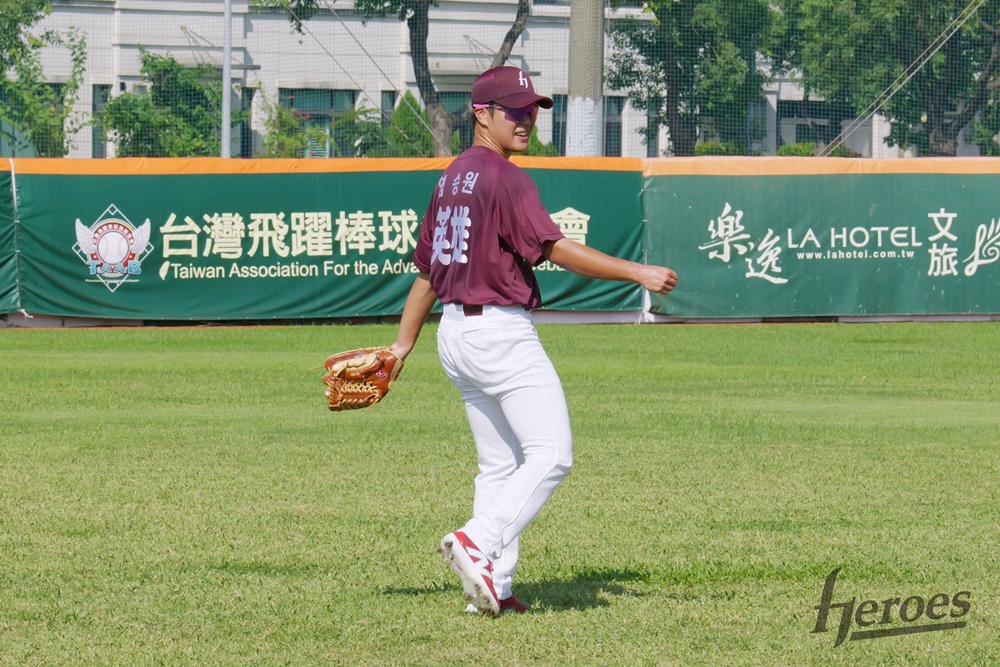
209 239
601 208
773 238
8 247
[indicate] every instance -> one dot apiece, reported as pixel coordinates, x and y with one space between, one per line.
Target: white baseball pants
520 423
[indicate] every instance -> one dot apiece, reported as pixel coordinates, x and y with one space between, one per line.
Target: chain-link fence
391 78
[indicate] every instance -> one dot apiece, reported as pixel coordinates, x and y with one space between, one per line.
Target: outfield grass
181 497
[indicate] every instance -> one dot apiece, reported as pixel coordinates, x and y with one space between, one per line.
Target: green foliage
985 131
840 150
179 116
717 148
694 64
415 13
808 149
298 10
16 16
854 52
984 135
539 149
41 113
798 149
285 135
409 132
359 133
401 9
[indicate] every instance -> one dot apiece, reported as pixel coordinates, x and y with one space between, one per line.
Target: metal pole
227 77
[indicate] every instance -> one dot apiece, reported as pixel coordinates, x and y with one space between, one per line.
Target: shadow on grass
587 589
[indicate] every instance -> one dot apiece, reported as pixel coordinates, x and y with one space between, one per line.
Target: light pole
227 77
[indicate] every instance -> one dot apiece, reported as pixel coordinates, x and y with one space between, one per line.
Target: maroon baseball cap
507 86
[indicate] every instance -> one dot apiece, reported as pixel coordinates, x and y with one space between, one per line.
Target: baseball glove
360 378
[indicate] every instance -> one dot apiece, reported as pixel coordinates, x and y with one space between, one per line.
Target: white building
341 60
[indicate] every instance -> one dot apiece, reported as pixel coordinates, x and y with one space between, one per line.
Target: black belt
472 311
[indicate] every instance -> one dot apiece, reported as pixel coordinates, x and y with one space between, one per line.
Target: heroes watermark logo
917 614
113 248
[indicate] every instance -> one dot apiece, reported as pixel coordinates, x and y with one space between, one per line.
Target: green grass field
181 496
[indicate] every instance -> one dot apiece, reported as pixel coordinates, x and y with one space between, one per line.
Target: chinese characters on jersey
452 225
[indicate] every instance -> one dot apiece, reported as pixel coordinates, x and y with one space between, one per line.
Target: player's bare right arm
419 302
592 263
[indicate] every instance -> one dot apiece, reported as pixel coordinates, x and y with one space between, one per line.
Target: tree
861 52
19 49
537 148
408 129
416 15
41 113
285 135
179 116
15 41
363 133
692 64
986 129
363 129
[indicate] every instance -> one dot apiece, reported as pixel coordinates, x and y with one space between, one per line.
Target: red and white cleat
475 569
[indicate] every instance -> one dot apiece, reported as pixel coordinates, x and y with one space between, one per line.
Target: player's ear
480 115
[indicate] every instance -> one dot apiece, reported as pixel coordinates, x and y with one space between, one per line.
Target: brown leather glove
360 378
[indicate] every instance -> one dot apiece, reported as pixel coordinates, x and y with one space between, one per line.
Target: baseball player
484 230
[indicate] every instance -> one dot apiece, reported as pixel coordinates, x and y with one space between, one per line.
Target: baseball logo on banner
113 248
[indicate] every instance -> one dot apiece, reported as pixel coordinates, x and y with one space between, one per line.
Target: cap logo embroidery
522 80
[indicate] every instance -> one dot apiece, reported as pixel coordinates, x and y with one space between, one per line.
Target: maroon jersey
483 232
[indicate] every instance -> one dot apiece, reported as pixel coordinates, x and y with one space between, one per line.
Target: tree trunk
442 127
942 132
683 132
683 129
520 20
462 119
441 121
941 138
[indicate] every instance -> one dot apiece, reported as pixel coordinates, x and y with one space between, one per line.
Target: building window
246 133
388 106
101 95
613 107
635 4
321 109
802 121
454 102
13 142
559 123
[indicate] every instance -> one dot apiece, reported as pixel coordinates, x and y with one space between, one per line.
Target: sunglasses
513 115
